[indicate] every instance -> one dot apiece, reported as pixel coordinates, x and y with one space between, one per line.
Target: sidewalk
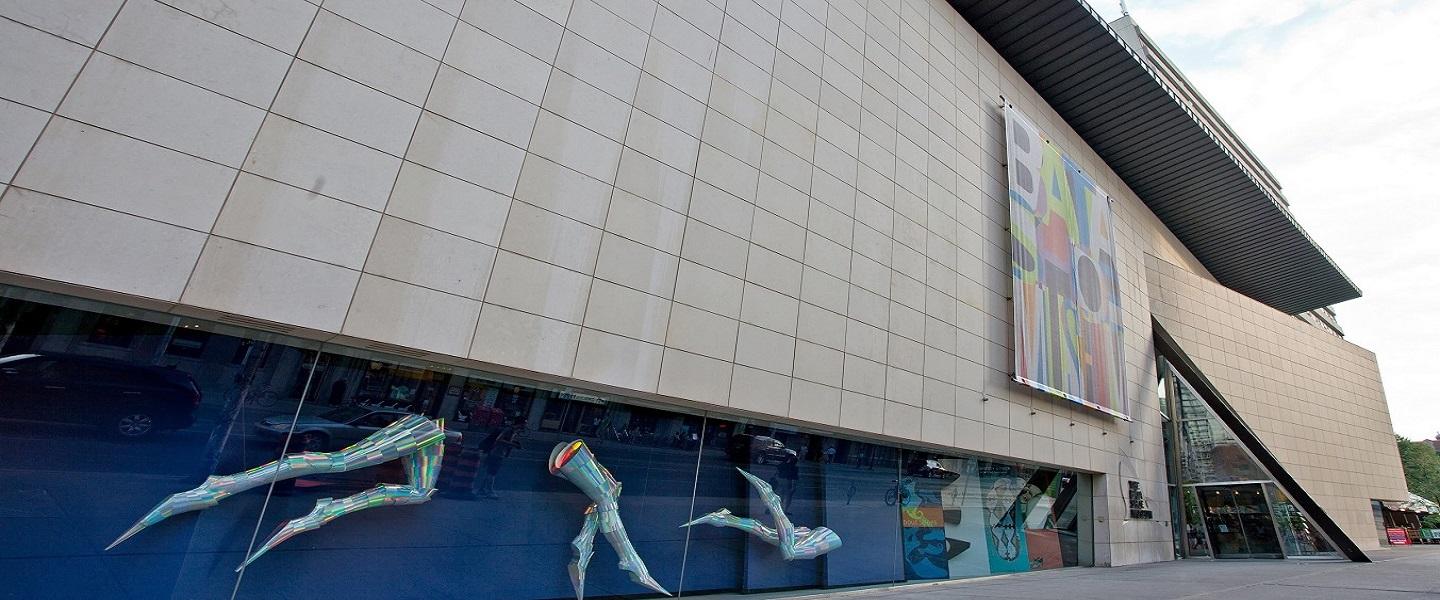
1403 573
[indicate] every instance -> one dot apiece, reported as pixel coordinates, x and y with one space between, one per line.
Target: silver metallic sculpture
573 462
794 542
414 439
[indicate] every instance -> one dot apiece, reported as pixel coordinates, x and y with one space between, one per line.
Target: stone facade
789 208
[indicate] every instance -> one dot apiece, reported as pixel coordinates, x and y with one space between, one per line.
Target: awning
1416 504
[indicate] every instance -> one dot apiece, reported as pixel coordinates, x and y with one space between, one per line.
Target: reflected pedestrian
788 474
337 392
497 447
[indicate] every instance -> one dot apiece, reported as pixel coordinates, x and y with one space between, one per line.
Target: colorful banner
1068 334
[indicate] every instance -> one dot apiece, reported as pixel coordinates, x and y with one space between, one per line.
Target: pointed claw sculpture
414 439
207 495
719 518
574 462
794 542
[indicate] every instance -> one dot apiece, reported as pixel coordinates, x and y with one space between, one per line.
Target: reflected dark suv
122 399
758 449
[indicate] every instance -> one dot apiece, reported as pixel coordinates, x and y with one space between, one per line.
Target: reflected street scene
110 416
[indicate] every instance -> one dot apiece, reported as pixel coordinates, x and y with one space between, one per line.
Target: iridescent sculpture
573 462
794 542
414 439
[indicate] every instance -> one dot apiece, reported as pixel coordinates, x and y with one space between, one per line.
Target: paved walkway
1400 574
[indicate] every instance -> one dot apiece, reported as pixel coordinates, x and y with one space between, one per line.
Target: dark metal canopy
1193 182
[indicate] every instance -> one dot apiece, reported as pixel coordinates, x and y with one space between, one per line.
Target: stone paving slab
1398 574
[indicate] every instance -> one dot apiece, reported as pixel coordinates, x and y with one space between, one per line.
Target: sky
1341 101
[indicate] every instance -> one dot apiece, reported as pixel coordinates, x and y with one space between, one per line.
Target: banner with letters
1069 340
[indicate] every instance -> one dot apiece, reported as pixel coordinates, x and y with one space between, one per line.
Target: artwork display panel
1069 339
966 517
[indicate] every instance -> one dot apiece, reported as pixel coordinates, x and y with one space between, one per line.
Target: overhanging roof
1178 166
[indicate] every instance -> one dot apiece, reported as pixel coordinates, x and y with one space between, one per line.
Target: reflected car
758 449
935 470
121 399
328 431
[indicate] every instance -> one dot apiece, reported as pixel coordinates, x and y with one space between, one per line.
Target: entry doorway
1238 521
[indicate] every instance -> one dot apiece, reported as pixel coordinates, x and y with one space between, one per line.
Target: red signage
1397 536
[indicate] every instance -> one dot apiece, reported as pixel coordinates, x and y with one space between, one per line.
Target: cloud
1183 22
1341 102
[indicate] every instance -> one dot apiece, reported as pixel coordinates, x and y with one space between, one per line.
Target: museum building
543 299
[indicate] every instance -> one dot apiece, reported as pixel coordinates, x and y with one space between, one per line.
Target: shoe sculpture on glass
574 462
794 542
415 440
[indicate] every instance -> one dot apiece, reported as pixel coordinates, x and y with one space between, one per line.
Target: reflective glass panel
1297 533
104 413
835 483
500 523
963 517
1196 543
280 468
1208 453
1237 519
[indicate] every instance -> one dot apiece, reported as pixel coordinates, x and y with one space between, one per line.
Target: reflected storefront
343 473
1228 506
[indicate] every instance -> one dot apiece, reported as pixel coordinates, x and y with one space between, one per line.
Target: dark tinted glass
839 484
101 420
499 524
107 426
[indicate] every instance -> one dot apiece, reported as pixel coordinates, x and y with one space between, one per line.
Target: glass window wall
1209 453
966 517
105 414
224 463
1300 537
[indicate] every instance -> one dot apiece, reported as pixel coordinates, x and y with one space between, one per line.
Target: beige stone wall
791 208
1314 399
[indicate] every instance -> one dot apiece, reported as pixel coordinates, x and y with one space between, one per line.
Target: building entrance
1224 504
1238 521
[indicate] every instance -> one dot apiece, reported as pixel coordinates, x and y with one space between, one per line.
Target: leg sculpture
794 542
418 440
421 469
573 462
584 547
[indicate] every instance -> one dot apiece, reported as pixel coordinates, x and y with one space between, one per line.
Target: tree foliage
1422 468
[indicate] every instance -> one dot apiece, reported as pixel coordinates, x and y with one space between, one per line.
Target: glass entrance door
1238 522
